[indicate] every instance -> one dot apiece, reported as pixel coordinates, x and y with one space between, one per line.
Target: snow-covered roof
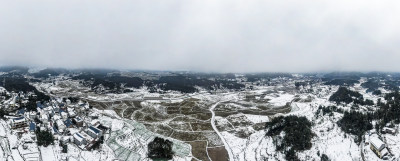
21 111
68 123
78 137
44 116
377 143
94 122
65 138
94 130
56 117
71 113
93 114
390 129
78 119
384 152
60 123
64 114
19 119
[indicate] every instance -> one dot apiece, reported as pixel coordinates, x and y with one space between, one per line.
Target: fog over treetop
202 35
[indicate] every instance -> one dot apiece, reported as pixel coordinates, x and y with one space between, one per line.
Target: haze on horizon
203 35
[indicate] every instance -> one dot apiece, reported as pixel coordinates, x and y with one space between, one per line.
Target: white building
94 132
61 125
64 115
79 139
378 146
32 115
44 118
71 113
18 122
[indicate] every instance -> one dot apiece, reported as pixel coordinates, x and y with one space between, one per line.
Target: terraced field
189 120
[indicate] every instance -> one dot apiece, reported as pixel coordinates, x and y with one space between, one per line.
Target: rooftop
95 130
78 137
32 126
68 122
377 143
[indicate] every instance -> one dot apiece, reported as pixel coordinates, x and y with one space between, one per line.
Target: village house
32 127
78 121
71 113
21 112
64 115
65 139
44 118
94 132
79 139
68 123
94 115
388 130
61 126
378 147
18 122
32 115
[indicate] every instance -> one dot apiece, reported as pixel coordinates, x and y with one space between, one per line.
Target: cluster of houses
86 139
68 122
17 98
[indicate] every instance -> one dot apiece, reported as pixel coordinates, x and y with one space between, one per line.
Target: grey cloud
203 35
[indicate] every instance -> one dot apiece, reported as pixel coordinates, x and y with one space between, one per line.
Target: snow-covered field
329 139
128 139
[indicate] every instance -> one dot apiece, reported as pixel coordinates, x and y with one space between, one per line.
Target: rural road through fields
227 147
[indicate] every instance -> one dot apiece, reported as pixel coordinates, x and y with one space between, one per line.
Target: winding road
227 147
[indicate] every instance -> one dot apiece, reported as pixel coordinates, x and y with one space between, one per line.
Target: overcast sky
203 35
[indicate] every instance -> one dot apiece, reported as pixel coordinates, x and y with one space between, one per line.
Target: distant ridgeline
116 82
181 83
266 76
14 69
375 80
112 82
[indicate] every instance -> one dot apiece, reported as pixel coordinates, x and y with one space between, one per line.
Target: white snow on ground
117 125
279 100
332 141
255 147
88 155
48 153
3 142
236 144
257 118
16 156
393 142
3 124
329 140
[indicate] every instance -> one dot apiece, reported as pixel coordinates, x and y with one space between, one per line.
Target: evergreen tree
44 138
160 148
